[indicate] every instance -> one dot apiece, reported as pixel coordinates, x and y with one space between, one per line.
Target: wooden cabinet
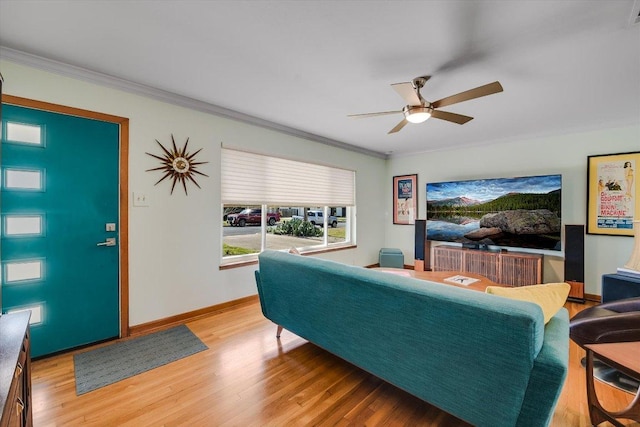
507 268
15 370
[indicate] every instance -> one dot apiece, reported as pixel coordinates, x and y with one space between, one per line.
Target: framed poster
613 199
405 199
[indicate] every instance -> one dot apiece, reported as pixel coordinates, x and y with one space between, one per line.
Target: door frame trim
123 173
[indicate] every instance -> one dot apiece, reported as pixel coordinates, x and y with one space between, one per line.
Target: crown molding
102 79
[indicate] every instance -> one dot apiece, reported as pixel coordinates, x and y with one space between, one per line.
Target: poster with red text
613 193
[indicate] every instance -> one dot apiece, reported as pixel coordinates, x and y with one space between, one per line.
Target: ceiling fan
419 110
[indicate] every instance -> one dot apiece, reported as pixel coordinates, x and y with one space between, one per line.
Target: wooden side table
624 356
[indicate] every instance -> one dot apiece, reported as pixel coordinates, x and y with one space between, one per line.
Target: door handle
111 241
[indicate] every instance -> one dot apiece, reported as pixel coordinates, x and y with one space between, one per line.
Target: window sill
254 261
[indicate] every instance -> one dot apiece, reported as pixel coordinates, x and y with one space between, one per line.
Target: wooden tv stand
507 268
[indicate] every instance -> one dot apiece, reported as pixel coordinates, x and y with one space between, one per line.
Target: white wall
175 243
564 154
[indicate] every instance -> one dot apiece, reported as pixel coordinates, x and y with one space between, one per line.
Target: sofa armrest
623 305
622 327
548 374
263 305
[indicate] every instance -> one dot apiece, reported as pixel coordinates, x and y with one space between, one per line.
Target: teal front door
60 246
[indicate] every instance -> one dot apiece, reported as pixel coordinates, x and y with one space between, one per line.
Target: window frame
252 180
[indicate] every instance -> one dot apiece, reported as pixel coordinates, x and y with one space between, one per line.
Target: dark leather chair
616 321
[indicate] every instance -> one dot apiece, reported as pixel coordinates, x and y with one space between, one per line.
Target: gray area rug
107 365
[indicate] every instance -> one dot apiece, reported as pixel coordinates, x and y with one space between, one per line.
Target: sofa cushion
550 296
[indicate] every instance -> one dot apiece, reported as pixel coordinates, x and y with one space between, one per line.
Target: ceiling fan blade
382 113
485 90
398 127
451 117
407 92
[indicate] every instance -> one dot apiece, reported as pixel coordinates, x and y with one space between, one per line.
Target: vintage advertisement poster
404 199
613 193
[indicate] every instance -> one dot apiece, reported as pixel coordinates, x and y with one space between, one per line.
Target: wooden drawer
15 371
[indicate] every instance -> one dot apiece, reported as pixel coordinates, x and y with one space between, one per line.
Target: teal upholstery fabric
485 359
391 258
548 375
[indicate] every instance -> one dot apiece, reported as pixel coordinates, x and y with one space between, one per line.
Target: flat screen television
522 212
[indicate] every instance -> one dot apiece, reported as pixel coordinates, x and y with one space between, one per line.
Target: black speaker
422 247
574 253
420 238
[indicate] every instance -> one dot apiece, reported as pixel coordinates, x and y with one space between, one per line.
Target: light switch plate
140 199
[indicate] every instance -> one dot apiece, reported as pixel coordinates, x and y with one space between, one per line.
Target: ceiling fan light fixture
417 114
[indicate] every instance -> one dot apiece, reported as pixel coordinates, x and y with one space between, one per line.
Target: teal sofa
486 359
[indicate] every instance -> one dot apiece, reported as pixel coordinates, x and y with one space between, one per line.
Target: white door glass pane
23 179
17 271
36 313
29 134
18 225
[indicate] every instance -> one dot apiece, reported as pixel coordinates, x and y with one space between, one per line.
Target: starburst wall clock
178 165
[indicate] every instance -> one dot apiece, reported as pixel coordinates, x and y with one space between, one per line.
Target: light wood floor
248 378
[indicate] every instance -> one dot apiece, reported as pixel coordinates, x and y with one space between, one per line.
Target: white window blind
259 179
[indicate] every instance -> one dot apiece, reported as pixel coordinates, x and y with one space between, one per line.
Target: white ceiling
565 66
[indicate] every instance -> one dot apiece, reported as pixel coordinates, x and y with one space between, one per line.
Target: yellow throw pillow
549 296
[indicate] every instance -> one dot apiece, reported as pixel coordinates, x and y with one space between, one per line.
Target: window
274 203
22 225
24 133
36 313
18 179
20 271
